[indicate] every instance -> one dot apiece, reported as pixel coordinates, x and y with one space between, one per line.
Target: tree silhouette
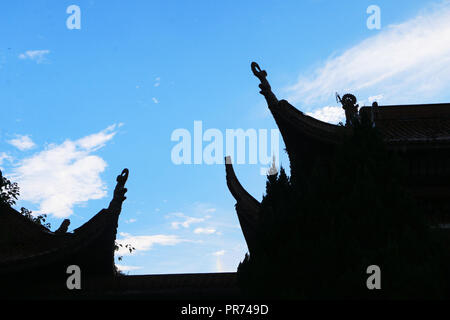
40 219
9 191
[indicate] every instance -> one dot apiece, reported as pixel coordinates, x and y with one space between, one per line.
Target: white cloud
4 156
408 62
22 142
187 220
127 268
328 114
98 140
204 231
203 208
155 100
219 253
64 175
35 55
375 98
146 242
130 221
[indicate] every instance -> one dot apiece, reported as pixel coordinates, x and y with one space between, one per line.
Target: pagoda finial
266 90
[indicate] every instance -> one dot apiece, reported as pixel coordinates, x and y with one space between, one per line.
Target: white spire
273 169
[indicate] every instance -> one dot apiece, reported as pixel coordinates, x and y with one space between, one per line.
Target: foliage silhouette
40 219
117 247
9 191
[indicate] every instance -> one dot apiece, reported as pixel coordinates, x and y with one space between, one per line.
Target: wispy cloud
187 221
22 142
155 100
408 62
204 230
203 208
219 253
328 114
64 175
375 98
145 242
4 156
127 268
98 140
35 55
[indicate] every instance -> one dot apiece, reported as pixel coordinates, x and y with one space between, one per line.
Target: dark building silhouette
31 256
419 134
34 262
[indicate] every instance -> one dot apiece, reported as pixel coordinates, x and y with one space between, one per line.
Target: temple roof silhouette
420 134
420 125
29 252
34 260
28 247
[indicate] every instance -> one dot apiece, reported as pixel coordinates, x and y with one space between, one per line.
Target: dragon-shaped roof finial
266 90
119 190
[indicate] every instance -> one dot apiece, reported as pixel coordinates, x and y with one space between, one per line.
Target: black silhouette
34 260
348 102
373 192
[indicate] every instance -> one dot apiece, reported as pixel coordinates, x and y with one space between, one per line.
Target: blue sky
78 106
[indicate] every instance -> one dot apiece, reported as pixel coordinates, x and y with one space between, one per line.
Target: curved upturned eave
239 193
290 120
95 238
247 207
